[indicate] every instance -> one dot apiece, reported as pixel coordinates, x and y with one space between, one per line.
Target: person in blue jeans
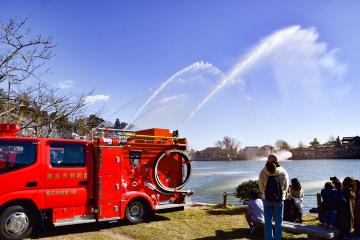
273 184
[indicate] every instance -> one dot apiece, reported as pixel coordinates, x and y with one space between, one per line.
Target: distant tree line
232 145
229 145
230 149
315 143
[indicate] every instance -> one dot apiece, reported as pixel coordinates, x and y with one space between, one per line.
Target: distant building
247 153
347 141
211 153
346 148
251 149
252 152
267 149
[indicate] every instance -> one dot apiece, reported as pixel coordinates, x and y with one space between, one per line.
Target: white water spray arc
195 66
130 101
125 105
261 50
284 155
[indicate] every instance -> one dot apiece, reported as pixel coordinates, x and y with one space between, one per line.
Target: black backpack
273 190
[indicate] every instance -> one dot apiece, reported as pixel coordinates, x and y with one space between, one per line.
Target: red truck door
69 181
19 170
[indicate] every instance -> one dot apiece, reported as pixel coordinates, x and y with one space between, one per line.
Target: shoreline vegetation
228 149
200 222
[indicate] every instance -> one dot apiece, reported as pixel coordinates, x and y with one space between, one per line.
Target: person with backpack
273 184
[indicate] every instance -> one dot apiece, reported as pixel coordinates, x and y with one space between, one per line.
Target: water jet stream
129 102
263 48
125 105
195 66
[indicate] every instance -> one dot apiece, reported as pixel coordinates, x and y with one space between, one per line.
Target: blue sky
124 50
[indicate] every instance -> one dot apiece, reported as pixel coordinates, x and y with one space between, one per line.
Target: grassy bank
203 223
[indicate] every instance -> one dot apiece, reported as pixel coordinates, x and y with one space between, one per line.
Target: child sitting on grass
255 212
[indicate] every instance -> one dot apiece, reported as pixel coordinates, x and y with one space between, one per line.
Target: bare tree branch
22 54
41 110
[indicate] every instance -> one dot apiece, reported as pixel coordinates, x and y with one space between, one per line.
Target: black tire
137 211
16 223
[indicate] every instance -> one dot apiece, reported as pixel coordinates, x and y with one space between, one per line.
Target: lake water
210 179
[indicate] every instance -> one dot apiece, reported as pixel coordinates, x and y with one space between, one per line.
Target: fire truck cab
68 182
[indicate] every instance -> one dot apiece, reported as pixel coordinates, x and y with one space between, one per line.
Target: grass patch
205 223
78 236
200 224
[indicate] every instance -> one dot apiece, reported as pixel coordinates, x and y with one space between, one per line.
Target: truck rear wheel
136 211
15 223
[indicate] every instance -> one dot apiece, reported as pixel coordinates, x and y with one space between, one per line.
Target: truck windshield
16 154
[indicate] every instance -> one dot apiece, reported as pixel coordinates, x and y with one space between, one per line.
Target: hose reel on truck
158 174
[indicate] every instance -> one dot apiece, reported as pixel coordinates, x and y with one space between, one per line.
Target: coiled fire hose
184 182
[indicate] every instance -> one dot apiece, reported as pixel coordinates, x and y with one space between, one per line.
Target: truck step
73 221
169 206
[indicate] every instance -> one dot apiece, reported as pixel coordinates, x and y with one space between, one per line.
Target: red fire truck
122 175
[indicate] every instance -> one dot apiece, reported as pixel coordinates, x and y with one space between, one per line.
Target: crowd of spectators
340 206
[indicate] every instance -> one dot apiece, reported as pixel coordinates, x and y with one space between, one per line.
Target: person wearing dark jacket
330 205
357 209
336 181
346 217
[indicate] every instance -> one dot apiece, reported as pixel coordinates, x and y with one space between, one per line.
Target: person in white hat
273 184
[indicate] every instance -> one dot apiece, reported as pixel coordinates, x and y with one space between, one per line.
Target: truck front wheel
15 223
136 211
